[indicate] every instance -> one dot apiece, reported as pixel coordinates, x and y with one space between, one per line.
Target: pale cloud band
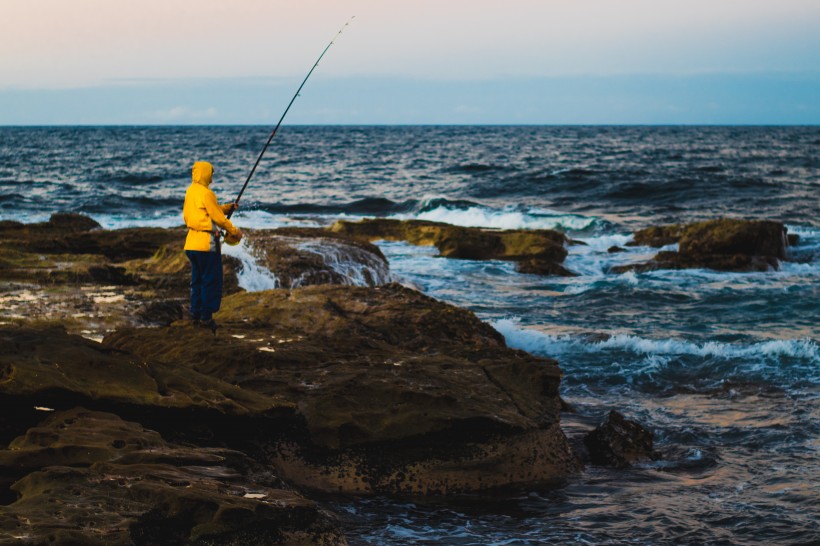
110 50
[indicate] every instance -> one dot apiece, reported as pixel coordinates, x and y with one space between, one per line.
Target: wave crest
547 344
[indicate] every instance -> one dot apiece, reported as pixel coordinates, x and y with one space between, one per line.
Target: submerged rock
85 477
618 442
540 246
723 245
399 393
543 267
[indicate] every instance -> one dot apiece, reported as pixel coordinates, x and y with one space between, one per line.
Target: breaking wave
548 344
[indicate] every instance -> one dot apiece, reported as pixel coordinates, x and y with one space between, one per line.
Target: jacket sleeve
216 214
226 208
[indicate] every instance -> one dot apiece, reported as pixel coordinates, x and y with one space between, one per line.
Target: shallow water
723 367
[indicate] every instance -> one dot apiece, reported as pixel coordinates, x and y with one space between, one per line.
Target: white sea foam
357 266
804 231
507 218
253 219
592 258
253 277
122 221
259 219
548 344
602 243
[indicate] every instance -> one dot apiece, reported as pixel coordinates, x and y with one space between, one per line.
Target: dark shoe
210 324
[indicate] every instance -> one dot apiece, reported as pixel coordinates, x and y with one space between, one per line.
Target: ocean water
724 368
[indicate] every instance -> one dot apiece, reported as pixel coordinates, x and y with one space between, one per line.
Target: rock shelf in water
71 271
723 245
539 251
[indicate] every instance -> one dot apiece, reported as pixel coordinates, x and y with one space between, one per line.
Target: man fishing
204 216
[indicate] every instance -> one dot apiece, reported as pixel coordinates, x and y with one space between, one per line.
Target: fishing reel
230 240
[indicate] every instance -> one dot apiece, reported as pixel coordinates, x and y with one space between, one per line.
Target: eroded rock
61 261
619 442
89 477
722 245
731 237
657 236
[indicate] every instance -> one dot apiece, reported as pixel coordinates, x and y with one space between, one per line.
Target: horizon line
454 124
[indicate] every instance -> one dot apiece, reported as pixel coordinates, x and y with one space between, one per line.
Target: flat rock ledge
721 244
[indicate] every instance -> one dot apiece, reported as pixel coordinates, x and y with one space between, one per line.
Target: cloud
183 113
753 98
465 109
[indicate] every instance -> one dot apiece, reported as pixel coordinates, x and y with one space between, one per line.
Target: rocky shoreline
125 424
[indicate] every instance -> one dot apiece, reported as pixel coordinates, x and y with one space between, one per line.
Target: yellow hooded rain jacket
201 211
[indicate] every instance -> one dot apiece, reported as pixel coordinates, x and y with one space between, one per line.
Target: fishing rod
273 134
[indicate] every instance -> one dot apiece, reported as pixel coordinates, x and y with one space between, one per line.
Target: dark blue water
723 367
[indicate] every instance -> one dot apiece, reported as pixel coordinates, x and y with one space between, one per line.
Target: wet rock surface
71 272
328 388
48 367
538 251
399 393
722 245
619 442
85 477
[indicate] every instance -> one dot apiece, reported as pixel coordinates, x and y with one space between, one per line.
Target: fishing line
273 134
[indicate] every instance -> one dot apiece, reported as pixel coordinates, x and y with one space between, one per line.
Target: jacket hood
202 173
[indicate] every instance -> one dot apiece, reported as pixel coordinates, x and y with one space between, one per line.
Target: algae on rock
723 244
468 243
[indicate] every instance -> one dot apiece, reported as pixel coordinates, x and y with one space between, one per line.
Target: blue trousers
206 283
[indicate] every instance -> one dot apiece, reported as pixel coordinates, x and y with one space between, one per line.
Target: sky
444 61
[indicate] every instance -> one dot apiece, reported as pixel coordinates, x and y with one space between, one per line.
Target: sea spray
253 277
356 266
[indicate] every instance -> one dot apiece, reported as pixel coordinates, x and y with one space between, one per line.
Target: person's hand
232 207
233 239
